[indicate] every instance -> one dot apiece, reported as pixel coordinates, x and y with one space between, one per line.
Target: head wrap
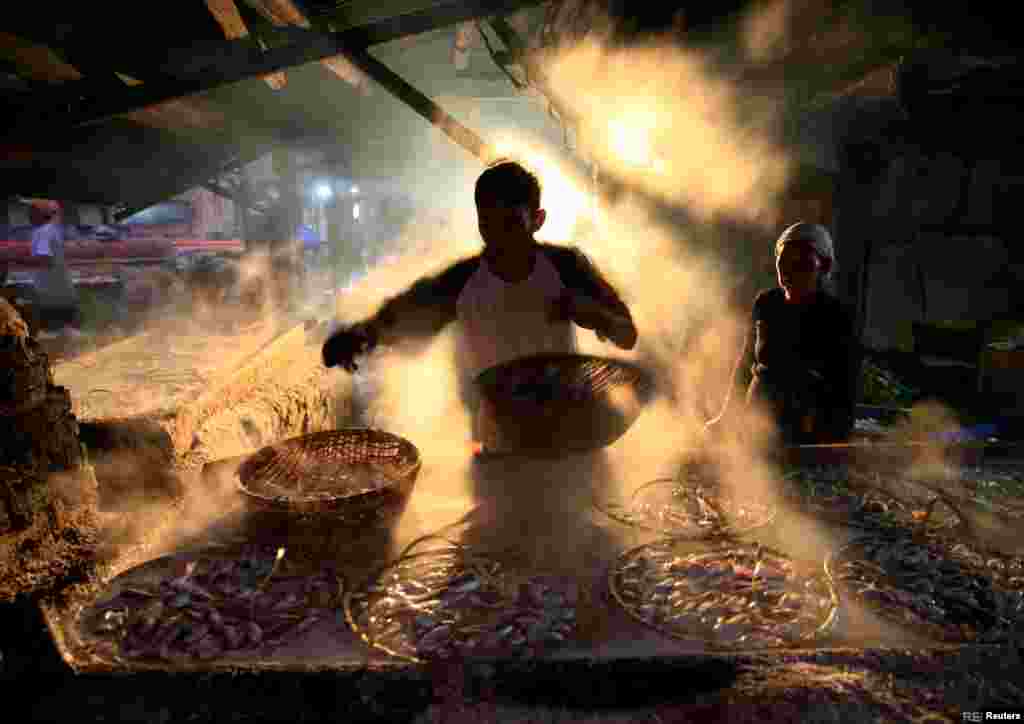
44 209
814 234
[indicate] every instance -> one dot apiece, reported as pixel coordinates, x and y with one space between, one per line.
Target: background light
355 189
323 192
355 211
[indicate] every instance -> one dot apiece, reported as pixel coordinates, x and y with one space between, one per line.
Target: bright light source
355 211
630 139
323 192
355 189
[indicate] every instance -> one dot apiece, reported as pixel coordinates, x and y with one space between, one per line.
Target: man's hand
342 347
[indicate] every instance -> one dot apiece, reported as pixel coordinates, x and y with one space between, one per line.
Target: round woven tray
679 619
725 517
139 608
558 403
931 587
874 502
277 478
383 612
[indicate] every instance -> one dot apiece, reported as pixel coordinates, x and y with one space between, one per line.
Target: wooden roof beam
283 13
231 22
230 61
421 104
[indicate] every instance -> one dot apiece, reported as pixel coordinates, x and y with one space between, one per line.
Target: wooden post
243 200
284 257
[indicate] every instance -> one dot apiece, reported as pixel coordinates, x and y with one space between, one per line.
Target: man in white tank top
518 298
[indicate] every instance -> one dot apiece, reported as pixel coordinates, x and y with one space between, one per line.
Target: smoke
660 119
673 126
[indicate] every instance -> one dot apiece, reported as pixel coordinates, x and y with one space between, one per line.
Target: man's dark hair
508 183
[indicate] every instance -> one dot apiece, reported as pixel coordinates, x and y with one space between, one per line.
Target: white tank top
499 322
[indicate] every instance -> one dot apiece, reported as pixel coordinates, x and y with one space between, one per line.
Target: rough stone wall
38 432
48 493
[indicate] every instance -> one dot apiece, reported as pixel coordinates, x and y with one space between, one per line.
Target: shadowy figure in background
55 291
801 350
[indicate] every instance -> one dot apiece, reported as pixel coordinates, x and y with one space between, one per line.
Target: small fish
254 633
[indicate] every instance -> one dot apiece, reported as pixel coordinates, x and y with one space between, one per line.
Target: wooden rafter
284 13
214 64
231 22
71 74
421 104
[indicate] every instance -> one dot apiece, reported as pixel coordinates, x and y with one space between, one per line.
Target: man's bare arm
596 304
422 310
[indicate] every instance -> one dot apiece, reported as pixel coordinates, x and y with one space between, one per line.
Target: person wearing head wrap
55 291
801 351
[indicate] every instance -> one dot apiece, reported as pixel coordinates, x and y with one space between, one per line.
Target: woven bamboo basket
308 476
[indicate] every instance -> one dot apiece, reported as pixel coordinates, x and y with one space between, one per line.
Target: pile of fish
446 604
946 594
682 510
205 608
742 596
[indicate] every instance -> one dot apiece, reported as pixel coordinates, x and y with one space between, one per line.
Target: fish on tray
740 597
944 593
448 607
205 608
867 501
685 510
